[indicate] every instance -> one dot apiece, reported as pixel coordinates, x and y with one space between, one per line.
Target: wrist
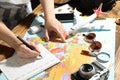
49 17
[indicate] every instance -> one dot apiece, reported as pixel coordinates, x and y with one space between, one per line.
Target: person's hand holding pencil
27 50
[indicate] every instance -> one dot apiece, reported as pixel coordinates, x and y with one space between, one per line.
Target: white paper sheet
16 68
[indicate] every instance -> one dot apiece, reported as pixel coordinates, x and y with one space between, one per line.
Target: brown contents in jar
90 36
95 45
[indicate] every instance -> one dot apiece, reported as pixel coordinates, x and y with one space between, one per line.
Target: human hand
54 26
24 52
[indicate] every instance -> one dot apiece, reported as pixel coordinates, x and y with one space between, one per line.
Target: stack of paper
16 68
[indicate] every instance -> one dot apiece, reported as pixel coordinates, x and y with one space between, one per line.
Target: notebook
16 68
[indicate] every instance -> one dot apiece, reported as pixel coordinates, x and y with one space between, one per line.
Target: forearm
48 7
51 23
8 36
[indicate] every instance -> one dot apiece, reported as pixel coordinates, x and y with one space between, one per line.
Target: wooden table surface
6 51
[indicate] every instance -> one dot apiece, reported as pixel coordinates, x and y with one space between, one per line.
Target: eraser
35 29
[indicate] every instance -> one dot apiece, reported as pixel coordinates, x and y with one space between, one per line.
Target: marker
25 43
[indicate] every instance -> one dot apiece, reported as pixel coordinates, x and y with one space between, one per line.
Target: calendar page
16 68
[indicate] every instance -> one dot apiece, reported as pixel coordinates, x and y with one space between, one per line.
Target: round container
90 37
95 46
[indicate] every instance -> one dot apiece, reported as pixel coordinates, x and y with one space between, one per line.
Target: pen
0 71
25 43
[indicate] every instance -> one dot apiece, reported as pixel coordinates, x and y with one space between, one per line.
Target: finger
27 57
31 54
35 54
28 53
63 38
61 35
35 46
46 35
23 55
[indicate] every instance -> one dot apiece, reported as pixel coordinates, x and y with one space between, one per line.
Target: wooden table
20 29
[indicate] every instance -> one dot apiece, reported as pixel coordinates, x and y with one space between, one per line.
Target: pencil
25 43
